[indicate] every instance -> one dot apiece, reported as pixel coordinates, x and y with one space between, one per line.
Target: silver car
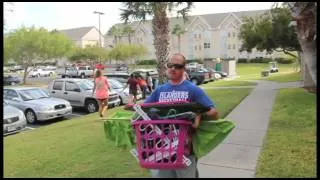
36 104
79 93
13 119
124 95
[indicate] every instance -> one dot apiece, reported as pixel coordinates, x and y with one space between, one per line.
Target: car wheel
92 106
12 83
30 116
194 81
82 76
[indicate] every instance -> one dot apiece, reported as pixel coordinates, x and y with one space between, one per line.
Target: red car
100 66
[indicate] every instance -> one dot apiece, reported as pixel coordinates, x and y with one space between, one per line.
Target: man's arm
213 113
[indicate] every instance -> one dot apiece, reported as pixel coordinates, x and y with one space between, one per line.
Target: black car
11 80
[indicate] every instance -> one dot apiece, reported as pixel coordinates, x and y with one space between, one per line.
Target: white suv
41 72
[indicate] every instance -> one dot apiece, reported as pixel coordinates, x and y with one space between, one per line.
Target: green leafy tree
90 55
123 52
270 32
160 25
178 31
27 46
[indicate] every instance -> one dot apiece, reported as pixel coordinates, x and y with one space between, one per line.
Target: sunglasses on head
175 66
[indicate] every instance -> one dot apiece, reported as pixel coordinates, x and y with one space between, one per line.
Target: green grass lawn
79 148
251 71
290 77
224 83
290 146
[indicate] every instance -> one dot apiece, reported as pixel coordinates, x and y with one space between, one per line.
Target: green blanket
208 135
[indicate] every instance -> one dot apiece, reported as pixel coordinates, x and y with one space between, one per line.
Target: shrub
260 60
242 60
147 62
284 60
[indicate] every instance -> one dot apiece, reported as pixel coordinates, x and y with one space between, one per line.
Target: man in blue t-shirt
180 89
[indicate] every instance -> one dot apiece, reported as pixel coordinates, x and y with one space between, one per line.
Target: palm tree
178 31
116 33
128 31
160 25
305 15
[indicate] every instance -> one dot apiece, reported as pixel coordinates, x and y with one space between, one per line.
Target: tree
122 52
90 54
27 46
128 31
178 31
160 26
305 16
116 33
270 32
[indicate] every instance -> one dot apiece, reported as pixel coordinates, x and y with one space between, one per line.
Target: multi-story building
206 36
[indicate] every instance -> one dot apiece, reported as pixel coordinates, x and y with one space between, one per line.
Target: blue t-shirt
186 91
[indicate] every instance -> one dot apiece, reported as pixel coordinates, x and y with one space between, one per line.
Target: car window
11 94
71 86
86 84
116 84
82 68
32 94
57 85
89 68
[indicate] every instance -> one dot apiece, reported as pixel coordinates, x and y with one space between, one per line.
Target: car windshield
86 85
116 84
32 94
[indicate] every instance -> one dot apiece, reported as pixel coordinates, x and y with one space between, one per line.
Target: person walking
133 88
101 89
177 89
149 82
143 86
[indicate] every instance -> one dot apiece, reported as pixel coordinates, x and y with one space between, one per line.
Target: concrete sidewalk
237 156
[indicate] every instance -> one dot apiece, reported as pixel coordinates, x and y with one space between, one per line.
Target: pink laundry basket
161 144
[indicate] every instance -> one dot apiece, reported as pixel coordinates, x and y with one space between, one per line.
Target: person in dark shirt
133 84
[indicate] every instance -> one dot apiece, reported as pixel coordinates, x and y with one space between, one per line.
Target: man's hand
196 121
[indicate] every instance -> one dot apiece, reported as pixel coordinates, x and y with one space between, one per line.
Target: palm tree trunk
179 43
129 38
160 30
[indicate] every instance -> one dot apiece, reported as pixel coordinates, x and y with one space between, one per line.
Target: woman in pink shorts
101 88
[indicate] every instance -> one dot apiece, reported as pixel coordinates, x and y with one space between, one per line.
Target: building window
206 45
229 46
229 34
234 46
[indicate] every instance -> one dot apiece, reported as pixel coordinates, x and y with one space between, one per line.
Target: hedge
284 60
147 62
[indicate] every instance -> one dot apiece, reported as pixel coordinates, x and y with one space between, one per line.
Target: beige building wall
92 38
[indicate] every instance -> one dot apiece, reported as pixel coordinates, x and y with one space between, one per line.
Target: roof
77 33
214 20
19 88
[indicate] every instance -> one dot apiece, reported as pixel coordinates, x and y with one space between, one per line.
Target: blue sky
64 15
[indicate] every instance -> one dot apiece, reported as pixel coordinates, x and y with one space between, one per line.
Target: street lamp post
99 13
